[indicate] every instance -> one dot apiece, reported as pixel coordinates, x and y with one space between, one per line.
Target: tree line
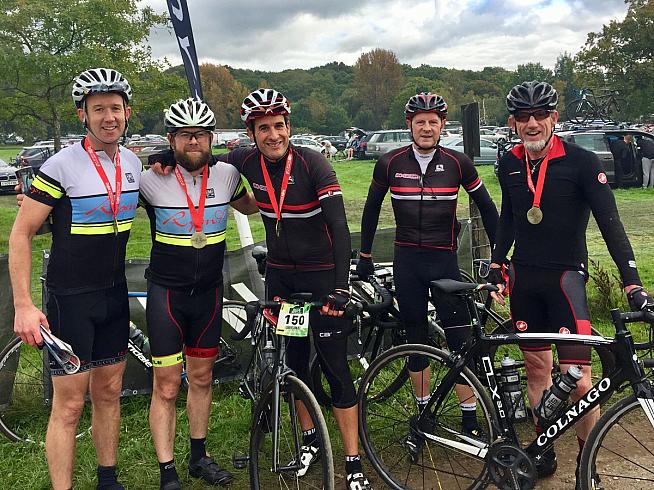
46 42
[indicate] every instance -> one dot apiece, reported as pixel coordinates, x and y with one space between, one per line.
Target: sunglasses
539 115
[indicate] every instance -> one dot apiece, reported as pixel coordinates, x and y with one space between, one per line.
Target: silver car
8 178
487 148
386 140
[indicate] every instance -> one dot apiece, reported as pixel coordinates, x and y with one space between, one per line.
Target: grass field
23 466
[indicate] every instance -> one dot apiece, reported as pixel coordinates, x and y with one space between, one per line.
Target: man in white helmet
91 190
188 210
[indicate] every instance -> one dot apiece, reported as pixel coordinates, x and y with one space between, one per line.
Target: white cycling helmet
264 102
189 113
100 80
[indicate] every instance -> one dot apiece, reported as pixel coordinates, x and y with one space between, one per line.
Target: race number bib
293 320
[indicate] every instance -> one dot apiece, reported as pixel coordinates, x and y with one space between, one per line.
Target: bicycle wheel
445 457
262 454
580 110
26 394
620 449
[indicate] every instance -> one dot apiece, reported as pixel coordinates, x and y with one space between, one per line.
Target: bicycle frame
627 370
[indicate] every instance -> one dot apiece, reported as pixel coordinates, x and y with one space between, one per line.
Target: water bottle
511 386
554 400
139 339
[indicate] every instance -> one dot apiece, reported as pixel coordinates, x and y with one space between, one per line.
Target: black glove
640 300
365 268
165 158
337 300
495 276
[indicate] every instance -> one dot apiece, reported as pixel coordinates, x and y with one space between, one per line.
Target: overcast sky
275 35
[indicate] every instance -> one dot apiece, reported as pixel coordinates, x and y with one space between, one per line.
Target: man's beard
535 146
192 161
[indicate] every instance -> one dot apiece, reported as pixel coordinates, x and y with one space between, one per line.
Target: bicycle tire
620 449
25 394
580 110
321 474
384 426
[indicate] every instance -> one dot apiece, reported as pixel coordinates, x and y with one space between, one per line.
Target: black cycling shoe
547 465
112 486
172 485
207 469
414 440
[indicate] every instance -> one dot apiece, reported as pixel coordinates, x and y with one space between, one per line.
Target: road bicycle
618 453
278 398
26 386
590 107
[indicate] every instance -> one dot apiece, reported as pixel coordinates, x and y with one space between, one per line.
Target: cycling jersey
86 254
424 205
174 262
313 233
575 184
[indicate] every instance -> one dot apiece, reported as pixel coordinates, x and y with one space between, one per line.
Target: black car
34 156
607 144
338 142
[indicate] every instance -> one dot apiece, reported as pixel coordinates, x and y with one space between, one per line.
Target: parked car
338 142
239 142
144 147
488 149
8 178
13 139
601 141
306 142
34 156
491 134
386 140
221 138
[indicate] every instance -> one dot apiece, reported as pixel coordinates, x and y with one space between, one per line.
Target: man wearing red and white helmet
91 191
424 180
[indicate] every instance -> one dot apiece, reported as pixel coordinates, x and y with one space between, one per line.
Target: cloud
466 34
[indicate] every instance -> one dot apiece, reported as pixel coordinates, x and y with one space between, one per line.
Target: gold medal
198 240
534 215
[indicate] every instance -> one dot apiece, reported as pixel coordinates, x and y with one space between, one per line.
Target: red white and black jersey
305 238
575 184
424 204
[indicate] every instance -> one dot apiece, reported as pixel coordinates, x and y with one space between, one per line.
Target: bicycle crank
510 467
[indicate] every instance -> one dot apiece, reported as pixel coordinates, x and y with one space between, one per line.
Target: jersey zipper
422 192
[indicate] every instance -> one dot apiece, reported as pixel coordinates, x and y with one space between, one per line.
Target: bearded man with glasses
549 187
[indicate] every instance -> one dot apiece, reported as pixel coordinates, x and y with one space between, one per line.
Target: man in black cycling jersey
91 190
308 242
188 218
424 179
549 187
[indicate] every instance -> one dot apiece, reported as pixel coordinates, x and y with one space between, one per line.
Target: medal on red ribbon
277 208
114 197
535 213
198 239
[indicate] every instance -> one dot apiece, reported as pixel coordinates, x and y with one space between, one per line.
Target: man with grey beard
549 187
188 210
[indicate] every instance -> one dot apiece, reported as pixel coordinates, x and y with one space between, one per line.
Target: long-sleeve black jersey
424 205
575 184
313 234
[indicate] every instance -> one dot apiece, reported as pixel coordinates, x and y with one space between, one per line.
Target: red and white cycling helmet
264 102
425 102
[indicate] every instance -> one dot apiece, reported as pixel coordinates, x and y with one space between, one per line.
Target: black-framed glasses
202 135
539 115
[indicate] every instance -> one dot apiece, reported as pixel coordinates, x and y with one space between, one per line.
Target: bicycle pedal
240 461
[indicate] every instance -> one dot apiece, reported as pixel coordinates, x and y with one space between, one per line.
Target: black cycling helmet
425 102
531 95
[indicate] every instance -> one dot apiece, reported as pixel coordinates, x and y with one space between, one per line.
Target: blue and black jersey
87 254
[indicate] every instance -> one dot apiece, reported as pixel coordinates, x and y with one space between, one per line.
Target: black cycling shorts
551 301
329 333
180 320
95 324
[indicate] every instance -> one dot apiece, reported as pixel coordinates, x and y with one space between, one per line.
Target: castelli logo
602 178
522 326
564 330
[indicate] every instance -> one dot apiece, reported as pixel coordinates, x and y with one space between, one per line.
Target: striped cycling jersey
424 204
86 254
174 263
304 241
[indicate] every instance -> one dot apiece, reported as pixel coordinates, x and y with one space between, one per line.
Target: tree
223 94
378 79
532 71
46 43
621 57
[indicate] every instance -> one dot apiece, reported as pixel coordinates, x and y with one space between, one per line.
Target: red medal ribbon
196 215
114 199
538 191
271 190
